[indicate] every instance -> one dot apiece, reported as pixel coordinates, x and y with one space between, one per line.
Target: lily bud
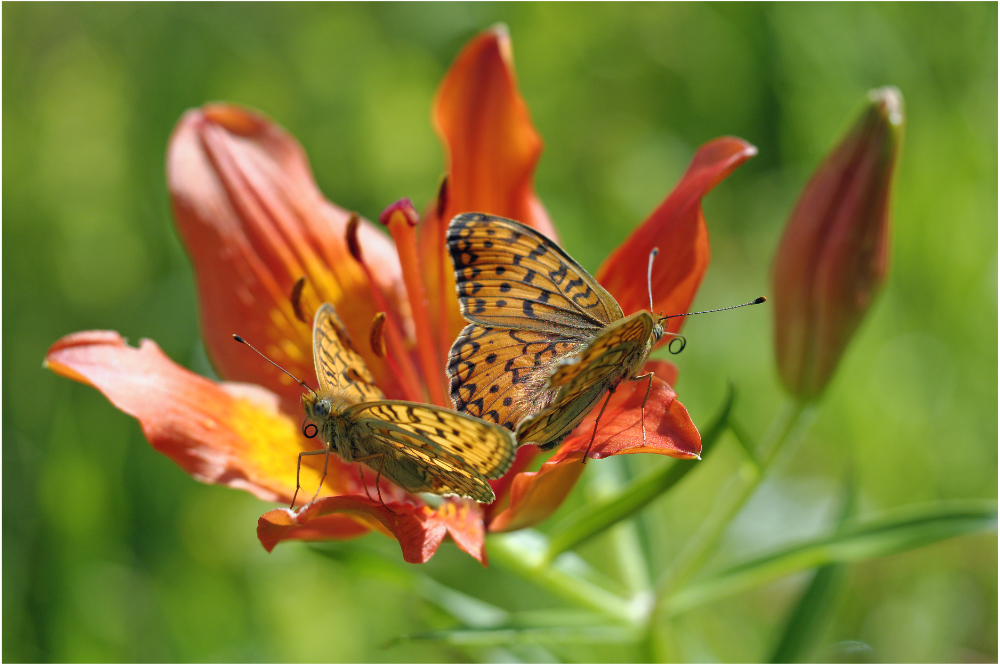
833 256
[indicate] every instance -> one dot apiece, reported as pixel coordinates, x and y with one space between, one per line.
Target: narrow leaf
806 619
893 532
589 635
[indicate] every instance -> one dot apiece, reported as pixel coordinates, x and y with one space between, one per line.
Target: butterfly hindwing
454 453
510 276
338 365
583 380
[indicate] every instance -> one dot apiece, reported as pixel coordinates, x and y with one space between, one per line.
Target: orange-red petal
669 429
464 520
534 496
229 434
419 529
501 487
254 222
678 228
491 148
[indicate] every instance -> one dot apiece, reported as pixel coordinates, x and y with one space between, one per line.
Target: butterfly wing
432 449
338 365
499 375
530 305
615 354
510 276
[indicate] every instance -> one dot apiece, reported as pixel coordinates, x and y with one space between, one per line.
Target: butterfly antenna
649 275
300 382
756 301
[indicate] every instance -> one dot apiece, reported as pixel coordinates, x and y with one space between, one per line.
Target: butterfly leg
298 469
611 392
361 473
326 463
381 461
649 387
378 476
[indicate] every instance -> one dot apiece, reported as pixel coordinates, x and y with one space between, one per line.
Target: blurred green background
111 553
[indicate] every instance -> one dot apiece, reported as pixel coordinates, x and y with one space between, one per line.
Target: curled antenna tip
760 300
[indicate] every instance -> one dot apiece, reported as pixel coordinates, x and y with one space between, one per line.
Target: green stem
517 553
787 426
631 559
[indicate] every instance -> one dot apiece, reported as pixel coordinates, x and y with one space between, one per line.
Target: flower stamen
401 218
398 357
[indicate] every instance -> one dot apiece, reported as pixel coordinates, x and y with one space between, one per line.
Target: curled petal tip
402 210
889 101
232 118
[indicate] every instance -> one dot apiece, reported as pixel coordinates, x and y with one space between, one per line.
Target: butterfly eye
657 332
321 408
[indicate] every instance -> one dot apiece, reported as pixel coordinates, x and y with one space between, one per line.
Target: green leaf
805 621
891 533
596 517
586 635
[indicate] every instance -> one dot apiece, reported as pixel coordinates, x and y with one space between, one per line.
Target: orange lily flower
254 222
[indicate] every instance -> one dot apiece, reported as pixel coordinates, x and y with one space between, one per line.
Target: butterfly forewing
510 276
499 375
338 366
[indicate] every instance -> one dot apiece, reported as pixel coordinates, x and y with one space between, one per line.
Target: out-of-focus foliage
111 553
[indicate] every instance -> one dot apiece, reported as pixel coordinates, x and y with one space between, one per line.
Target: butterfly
545 341
420 448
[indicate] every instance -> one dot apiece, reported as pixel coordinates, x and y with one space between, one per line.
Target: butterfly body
545 341
420 448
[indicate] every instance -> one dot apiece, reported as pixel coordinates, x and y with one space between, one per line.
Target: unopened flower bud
833 256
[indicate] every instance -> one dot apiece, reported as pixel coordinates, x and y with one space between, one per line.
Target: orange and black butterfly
545 341
420 448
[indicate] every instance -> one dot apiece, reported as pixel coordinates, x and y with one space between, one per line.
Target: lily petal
669 429
464 520
502 486
229 434
491 150
254 222
492 145
678 228
419 529
534 496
